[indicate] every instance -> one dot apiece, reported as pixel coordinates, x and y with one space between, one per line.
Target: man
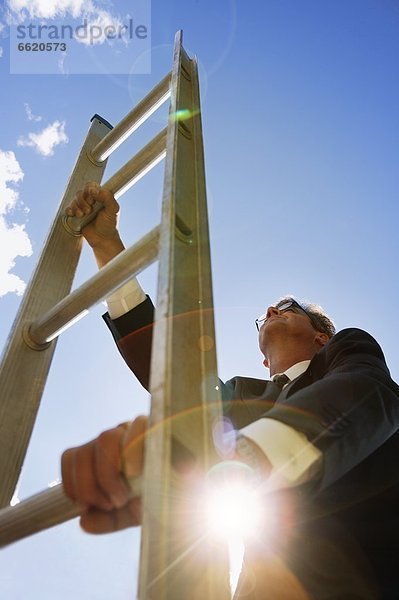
323 439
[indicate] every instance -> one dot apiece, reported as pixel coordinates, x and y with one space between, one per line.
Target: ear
321 338
266 363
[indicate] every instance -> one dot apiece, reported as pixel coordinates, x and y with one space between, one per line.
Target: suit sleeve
132 333
351 410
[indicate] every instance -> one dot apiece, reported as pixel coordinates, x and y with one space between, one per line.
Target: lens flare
183 114
233 511
232 501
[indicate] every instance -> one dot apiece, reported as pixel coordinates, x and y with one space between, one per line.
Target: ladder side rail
133 120
127 176
176 559
51 281
113 275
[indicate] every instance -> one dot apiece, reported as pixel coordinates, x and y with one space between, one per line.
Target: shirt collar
296 370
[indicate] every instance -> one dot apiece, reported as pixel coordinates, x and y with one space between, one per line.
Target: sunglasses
292 305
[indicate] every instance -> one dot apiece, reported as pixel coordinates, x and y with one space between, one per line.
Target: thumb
107 199
133 447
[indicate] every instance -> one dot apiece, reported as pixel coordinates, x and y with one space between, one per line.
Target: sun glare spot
233 510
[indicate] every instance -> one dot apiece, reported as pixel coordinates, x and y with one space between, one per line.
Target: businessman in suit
323 438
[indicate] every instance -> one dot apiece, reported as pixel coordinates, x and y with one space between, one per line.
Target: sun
232 510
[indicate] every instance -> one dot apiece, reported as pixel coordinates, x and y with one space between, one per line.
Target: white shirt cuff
293 458
125 298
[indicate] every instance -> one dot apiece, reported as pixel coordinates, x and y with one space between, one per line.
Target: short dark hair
320 319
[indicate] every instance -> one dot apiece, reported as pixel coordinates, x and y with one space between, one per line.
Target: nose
272 310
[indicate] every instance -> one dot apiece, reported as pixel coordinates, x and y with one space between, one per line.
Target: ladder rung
141 163
140 113
127 264
43 510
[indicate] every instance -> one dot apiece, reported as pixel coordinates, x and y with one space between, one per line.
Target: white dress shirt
293 458
125 298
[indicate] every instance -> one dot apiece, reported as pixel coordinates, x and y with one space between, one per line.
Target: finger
107 198
133 447
99 521
77 206
69 211
87 197
73 206
91 192
107 464
83 478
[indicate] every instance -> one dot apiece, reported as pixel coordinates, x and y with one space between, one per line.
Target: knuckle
108 196
106 437
91 185
66 458
108 443
66 454
92 188
141 424
142 420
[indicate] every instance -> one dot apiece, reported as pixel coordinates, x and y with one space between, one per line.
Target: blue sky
299 103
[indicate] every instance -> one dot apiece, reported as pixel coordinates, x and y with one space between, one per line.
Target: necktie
281 380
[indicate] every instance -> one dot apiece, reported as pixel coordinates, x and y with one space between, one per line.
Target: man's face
286 324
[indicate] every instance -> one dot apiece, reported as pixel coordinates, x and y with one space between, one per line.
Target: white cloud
1 51
50 9
10 172
14 241
99 20
61 64
30 114
95 15
45 141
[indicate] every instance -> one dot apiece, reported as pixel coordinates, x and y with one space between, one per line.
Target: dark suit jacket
344 540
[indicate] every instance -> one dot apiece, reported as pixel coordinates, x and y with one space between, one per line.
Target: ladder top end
96 116
179 36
